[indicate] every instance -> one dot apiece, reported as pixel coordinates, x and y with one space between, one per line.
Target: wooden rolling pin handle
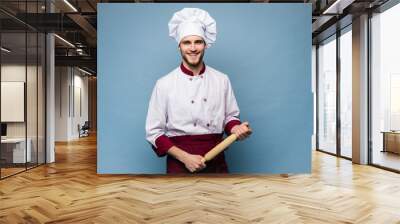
219 148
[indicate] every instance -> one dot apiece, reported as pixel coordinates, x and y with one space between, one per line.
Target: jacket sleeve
156 122
232 112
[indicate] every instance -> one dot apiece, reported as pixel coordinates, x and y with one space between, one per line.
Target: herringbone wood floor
70 191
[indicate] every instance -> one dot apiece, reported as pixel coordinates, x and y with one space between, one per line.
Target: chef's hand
242 130
194 163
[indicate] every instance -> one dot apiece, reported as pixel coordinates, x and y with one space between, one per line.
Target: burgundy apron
197 145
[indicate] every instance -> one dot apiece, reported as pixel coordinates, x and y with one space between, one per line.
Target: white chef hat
193 21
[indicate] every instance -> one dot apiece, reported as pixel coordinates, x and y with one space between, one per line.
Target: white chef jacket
183 104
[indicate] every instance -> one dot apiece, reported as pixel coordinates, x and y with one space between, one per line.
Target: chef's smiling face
192 50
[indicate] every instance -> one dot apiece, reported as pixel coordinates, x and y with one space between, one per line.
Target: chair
84 130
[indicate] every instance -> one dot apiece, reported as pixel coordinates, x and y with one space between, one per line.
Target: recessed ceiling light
64 40
70 5
5 50
84 71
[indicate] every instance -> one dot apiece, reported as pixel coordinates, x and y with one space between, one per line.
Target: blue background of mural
264 48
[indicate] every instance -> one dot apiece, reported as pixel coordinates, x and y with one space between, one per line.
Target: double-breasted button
194 124
192 101
208 125
205 99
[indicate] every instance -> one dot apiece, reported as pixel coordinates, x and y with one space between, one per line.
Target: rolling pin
219 148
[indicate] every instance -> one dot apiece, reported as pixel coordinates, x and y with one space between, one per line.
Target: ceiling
76 22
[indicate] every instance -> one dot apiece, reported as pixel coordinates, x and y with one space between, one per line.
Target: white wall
71 94
9 73
15 72
80 109
33 127
62 81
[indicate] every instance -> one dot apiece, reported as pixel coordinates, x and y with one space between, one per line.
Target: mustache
185 58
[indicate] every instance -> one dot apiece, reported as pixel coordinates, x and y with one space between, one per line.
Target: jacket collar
189 72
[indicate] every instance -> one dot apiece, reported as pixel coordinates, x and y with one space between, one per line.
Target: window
327 95
346 92
385 88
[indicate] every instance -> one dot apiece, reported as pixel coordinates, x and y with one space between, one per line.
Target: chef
192 106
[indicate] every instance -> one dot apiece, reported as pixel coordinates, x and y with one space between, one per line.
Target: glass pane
386 89
31 101
346 93
22 88
41 98
327 96
13 86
